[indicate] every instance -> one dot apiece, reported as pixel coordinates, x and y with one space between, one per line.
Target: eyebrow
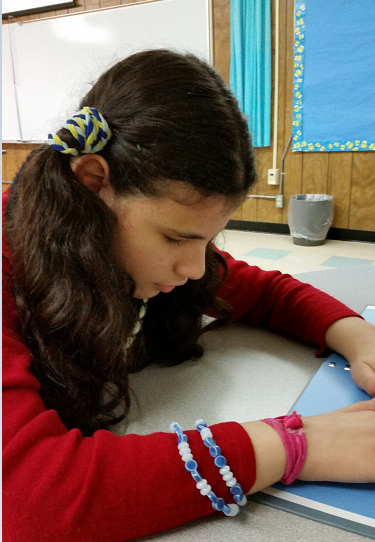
186 235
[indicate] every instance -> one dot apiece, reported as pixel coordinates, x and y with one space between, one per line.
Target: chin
145 293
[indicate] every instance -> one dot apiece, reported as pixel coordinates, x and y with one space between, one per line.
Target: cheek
143 259
142 253
126 251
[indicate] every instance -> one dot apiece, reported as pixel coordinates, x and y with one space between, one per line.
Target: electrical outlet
279 201
273 176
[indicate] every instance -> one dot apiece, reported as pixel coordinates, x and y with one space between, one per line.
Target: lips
165 289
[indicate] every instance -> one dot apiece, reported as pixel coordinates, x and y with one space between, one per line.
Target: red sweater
59 486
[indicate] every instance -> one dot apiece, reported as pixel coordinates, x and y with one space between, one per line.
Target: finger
364 376
361 406
371 388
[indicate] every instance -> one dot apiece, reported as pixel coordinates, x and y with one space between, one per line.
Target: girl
109 265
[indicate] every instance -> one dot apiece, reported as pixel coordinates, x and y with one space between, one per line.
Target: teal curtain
250 64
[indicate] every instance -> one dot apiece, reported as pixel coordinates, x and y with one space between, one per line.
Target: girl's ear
92 170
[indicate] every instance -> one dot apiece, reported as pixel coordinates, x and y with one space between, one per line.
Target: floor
273 251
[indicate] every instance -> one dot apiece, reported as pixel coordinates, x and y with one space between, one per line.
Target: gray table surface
246 374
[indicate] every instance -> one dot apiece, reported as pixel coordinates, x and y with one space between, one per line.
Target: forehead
188 196
183 208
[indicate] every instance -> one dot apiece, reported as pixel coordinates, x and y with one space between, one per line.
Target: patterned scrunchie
90 129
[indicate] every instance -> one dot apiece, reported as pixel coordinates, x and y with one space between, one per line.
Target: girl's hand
340 447
354 339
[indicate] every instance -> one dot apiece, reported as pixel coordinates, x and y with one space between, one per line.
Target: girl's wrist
270 455
352 337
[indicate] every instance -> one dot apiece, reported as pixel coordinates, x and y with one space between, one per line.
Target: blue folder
347 506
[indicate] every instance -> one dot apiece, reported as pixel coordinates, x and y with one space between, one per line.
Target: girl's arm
347 434
61 486
354 339
284 304
64 487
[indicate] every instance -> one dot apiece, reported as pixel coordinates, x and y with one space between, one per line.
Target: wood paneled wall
348 176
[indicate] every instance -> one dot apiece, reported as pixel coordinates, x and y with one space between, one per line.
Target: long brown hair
172 118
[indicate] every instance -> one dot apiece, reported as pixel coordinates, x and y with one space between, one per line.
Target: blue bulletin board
334 76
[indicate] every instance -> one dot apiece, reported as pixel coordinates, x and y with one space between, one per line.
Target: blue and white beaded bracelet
191 466
220 461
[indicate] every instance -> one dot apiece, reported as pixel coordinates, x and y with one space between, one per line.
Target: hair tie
290 429
89 128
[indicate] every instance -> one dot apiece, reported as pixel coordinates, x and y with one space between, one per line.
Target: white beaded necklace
138 324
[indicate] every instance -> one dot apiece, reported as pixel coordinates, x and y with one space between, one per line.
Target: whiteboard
8 98
57 60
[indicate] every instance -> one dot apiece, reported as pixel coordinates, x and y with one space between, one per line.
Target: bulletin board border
299 144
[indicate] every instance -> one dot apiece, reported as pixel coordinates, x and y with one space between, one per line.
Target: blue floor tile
268 253
341 261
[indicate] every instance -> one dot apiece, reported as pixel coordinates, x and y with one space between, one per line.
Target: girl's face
161 242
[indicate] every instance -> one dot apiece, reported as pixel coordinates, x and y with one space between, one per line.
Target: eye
173 241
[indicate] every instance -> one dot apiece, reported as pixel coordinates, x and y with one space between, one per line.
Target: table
246 374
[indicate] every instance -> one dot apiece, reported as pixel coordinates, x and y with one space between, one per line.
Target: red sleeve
280 302
60 486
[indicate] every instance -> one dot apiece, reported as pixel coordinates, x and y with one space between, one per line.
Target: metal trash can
309 217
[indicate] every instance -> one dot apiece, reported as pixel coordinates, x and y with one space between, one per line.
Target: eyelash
173 241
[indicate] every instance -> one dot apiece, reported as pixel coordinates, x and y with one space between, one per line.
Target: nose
192 265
